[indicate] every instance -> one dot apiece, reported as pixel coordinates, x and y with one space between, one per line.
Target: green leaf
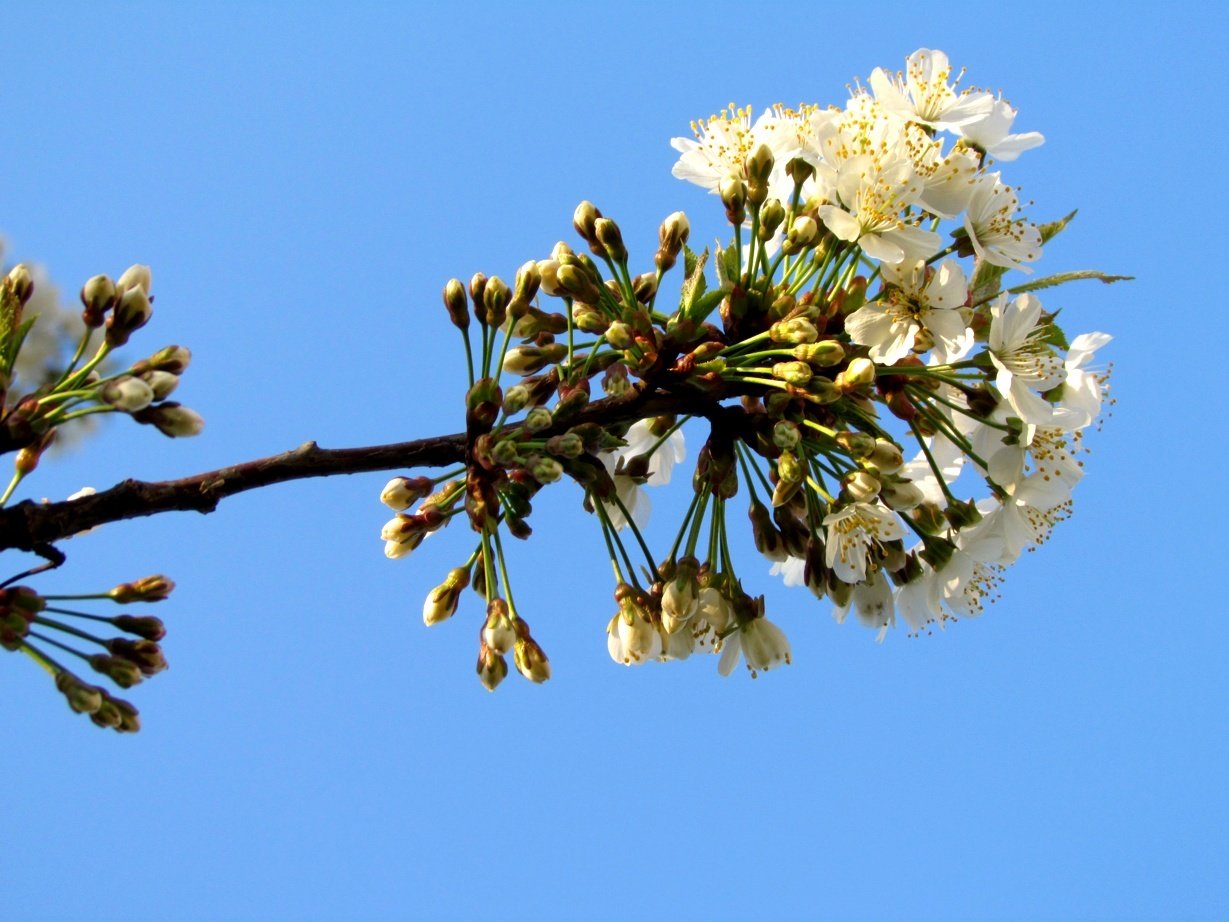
987 281
1054 228
11 332
1063 277
695 284
1056 337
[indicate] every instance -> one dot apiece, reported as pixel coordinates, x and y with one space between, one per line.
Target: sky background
303 179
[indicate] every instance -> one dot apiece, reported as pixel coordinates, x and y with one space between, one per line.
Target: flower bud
820 355
492 668
901 494
584 220
611 240
795 373
20 282
98 296
859 445
785 435
498 632
442 601
129 394
546 469
801 235
171 419
495 298
772 216
538 418
531 660
145 654
568 445
402 492
796 330
886 457
135 276
131 313
122 672
528 280
859 373
142 626
768 540
171 359
162 383
861 486
455 304
147 589
82 698
672 236
759 168
529 360
619 335
733 192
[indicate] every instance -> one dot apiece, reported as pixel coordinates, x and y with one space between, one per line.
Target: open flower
914 299
924 94
852 532
1025 361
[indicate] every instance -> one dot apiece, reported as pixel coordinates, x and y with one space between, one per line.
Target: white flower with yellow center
873 603
873 197
1025 361
723 143
914 299
959 589
1084 387
926 93
996 235
852 532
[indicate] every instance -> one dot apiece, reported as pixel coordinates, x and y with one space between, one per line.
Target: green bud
98 296
611 240
538 418
772 216
455 304
733 192
797 330
785 435
820 354
671 236
795 373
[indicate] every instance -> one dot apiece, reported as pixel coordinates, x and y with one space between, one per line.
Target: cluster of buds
862 380
35 624
114 310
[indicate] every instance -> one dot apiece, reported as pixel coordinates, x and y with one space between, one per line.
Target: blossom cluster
42 395
902 425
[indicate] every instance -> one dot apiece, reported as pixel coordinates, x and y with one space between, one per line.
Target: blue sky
303 179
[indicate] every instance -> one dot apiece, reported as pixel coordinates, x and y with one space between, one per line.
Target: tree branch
29 525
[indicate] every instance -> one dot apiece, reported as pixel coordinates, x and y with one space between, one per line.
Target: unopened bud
861 486
785 435
147 589
162 383
82 698
131 313
531 660
820 355
402 492
528 280
492 668
538 418
859 373
733 192
498 632
20 282
442 601
455 304
122 672
671 236
801 234
584 219
171 359
142 626
129 394
495 298
772 215
859 445
171 419
886 457
611 240
795 373
98 296
135 276
619 335
546 469
797 330
759 168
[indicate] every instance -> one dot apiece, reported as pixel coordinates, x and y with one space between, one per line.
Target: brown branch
29 525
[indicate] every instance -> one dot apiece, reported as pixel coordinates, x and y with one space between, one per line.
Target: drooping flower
852 532
762 644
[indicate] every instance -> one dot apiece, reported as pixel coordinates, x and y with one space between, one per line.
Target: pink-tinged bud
135 276
147 589
129 394
171 419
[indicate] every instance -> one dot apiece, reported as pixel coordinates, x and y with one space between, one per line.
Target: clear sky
303 178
